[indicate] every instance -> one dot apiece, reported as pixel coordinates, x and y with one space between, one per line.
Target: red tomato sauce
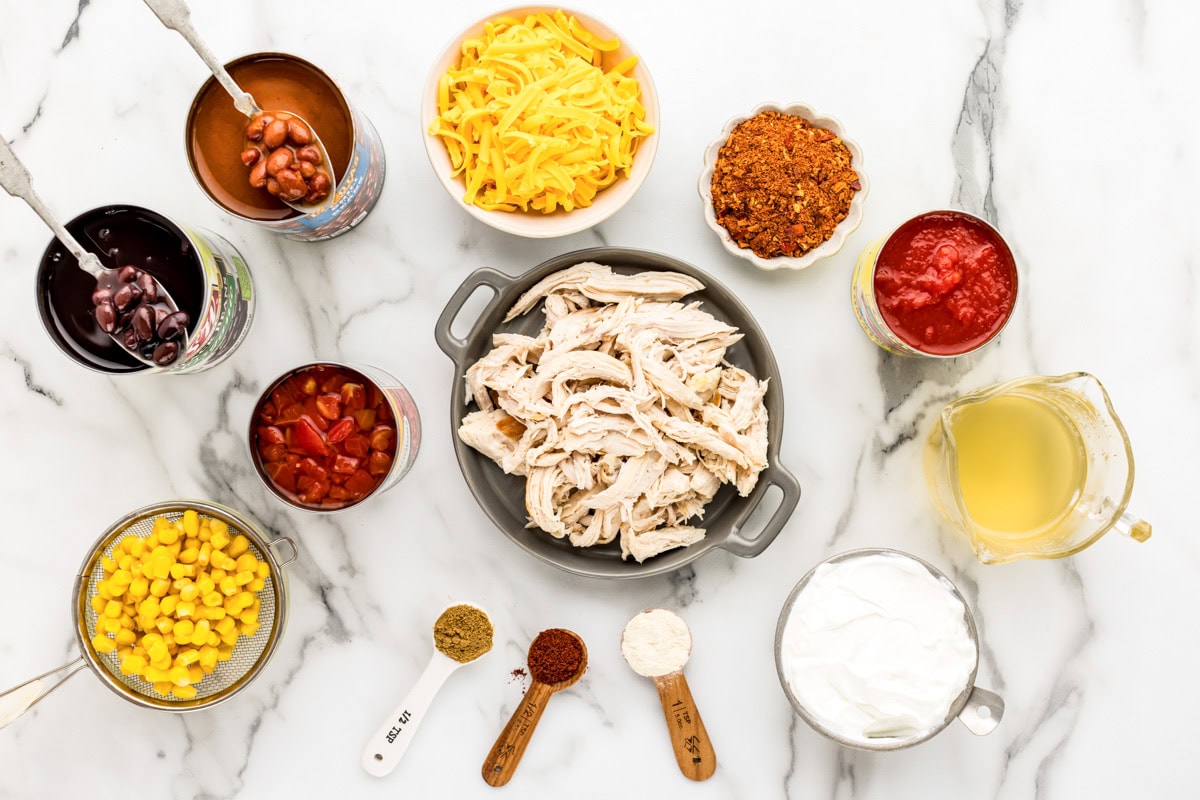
325 436
945 282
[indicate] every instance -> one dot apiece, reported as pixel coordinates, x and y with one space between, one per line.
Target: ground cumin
781 185
463 632
554 656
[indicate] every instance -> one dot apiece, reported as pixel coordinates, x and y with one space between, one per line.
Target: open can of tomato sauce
326 436
215 138
204 274
943 284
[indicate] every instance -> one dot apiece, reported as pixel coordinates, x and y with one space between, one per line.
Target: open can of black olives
204 273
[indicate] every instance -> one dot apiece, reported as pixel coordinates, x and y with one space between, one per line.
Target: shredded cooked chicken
622 413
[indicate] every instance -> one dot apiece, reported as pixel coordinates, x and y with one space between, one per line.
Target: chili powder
781 185
555 656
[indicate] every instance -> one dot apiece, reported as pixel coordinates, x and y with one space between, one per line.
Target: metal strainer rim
234 519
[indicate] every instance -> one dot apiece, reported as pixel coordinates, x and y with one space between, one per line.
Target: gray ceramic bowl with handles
977 708
502 497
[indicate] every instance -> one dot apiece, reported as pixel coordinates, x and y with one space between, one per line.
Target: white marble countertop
1070 125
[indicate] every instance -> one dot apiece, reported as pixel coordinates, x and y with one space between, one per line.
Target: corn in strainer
250 654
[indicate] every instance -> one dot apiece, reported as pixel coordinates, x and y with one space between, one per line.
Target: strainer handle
283 545
19 699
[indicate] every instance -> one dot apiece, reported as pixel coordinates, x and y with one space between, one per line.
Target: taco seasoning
781 184
463 632
555 656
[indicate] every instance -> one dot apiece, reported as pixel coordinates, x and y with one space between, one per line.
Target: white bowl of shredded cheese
532 160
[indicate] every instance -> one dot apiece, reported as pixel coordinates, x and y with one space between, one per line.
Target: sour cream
876 646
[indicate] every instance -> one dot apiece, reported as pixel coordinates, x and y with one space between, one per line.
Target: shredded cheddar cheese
532 121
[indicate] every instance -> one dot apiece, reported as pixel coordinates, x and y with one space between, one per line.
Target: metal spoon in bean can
283 153
131 306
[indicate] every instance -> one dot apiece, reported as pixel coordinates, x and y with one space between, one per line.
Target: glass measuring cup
1038 467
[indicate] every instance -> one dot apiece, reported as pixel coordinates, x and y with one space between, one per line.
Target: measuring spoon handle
392 738
689 738
16 181
510 745
174 14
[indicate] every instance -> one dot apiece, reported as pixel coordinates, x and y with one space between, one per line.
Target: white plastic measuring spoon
391 739
15 180
174 14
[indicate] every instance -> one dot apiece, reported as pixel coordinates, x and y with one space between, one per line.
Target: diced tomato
345 465
311 409
334 382
378 463
308 385
286 395
315 492
365 417
329 405
269 434
290 414
385 411
312 469
292 459
337 493
360 485
307 439
337 478
305 482
341 429
357 446
272 452
281 474
382 437
354 395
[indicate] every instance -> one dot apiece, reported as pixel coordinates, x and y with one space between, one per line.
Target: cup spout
1133 526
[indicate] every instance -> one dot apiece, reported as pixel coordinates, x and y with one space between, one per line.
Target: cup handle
450 344
982 712
775 475
1133 526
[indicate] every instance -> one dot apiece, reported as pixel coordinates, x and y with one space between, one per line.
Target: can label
228 306
866 309
355 195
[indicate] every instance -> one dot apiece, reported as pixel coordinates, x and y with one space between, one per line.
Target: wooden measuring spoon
502 760
689 738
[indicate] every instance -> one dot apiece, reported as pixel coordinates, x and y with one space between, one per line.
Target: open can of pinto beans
215 136
204 273
942 284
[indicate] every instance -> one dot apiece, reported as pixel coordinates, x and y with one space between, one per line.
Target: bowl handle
450 344
775 475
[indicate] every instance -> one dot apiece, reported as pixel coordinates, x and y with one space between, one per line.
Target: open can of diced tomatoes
325 436
941 285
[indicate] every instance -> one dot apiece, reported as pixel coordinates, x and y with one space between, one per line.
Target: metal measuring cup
979 709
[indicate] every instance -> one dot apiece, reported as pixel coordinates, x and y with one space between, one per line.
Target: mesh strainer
250 654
